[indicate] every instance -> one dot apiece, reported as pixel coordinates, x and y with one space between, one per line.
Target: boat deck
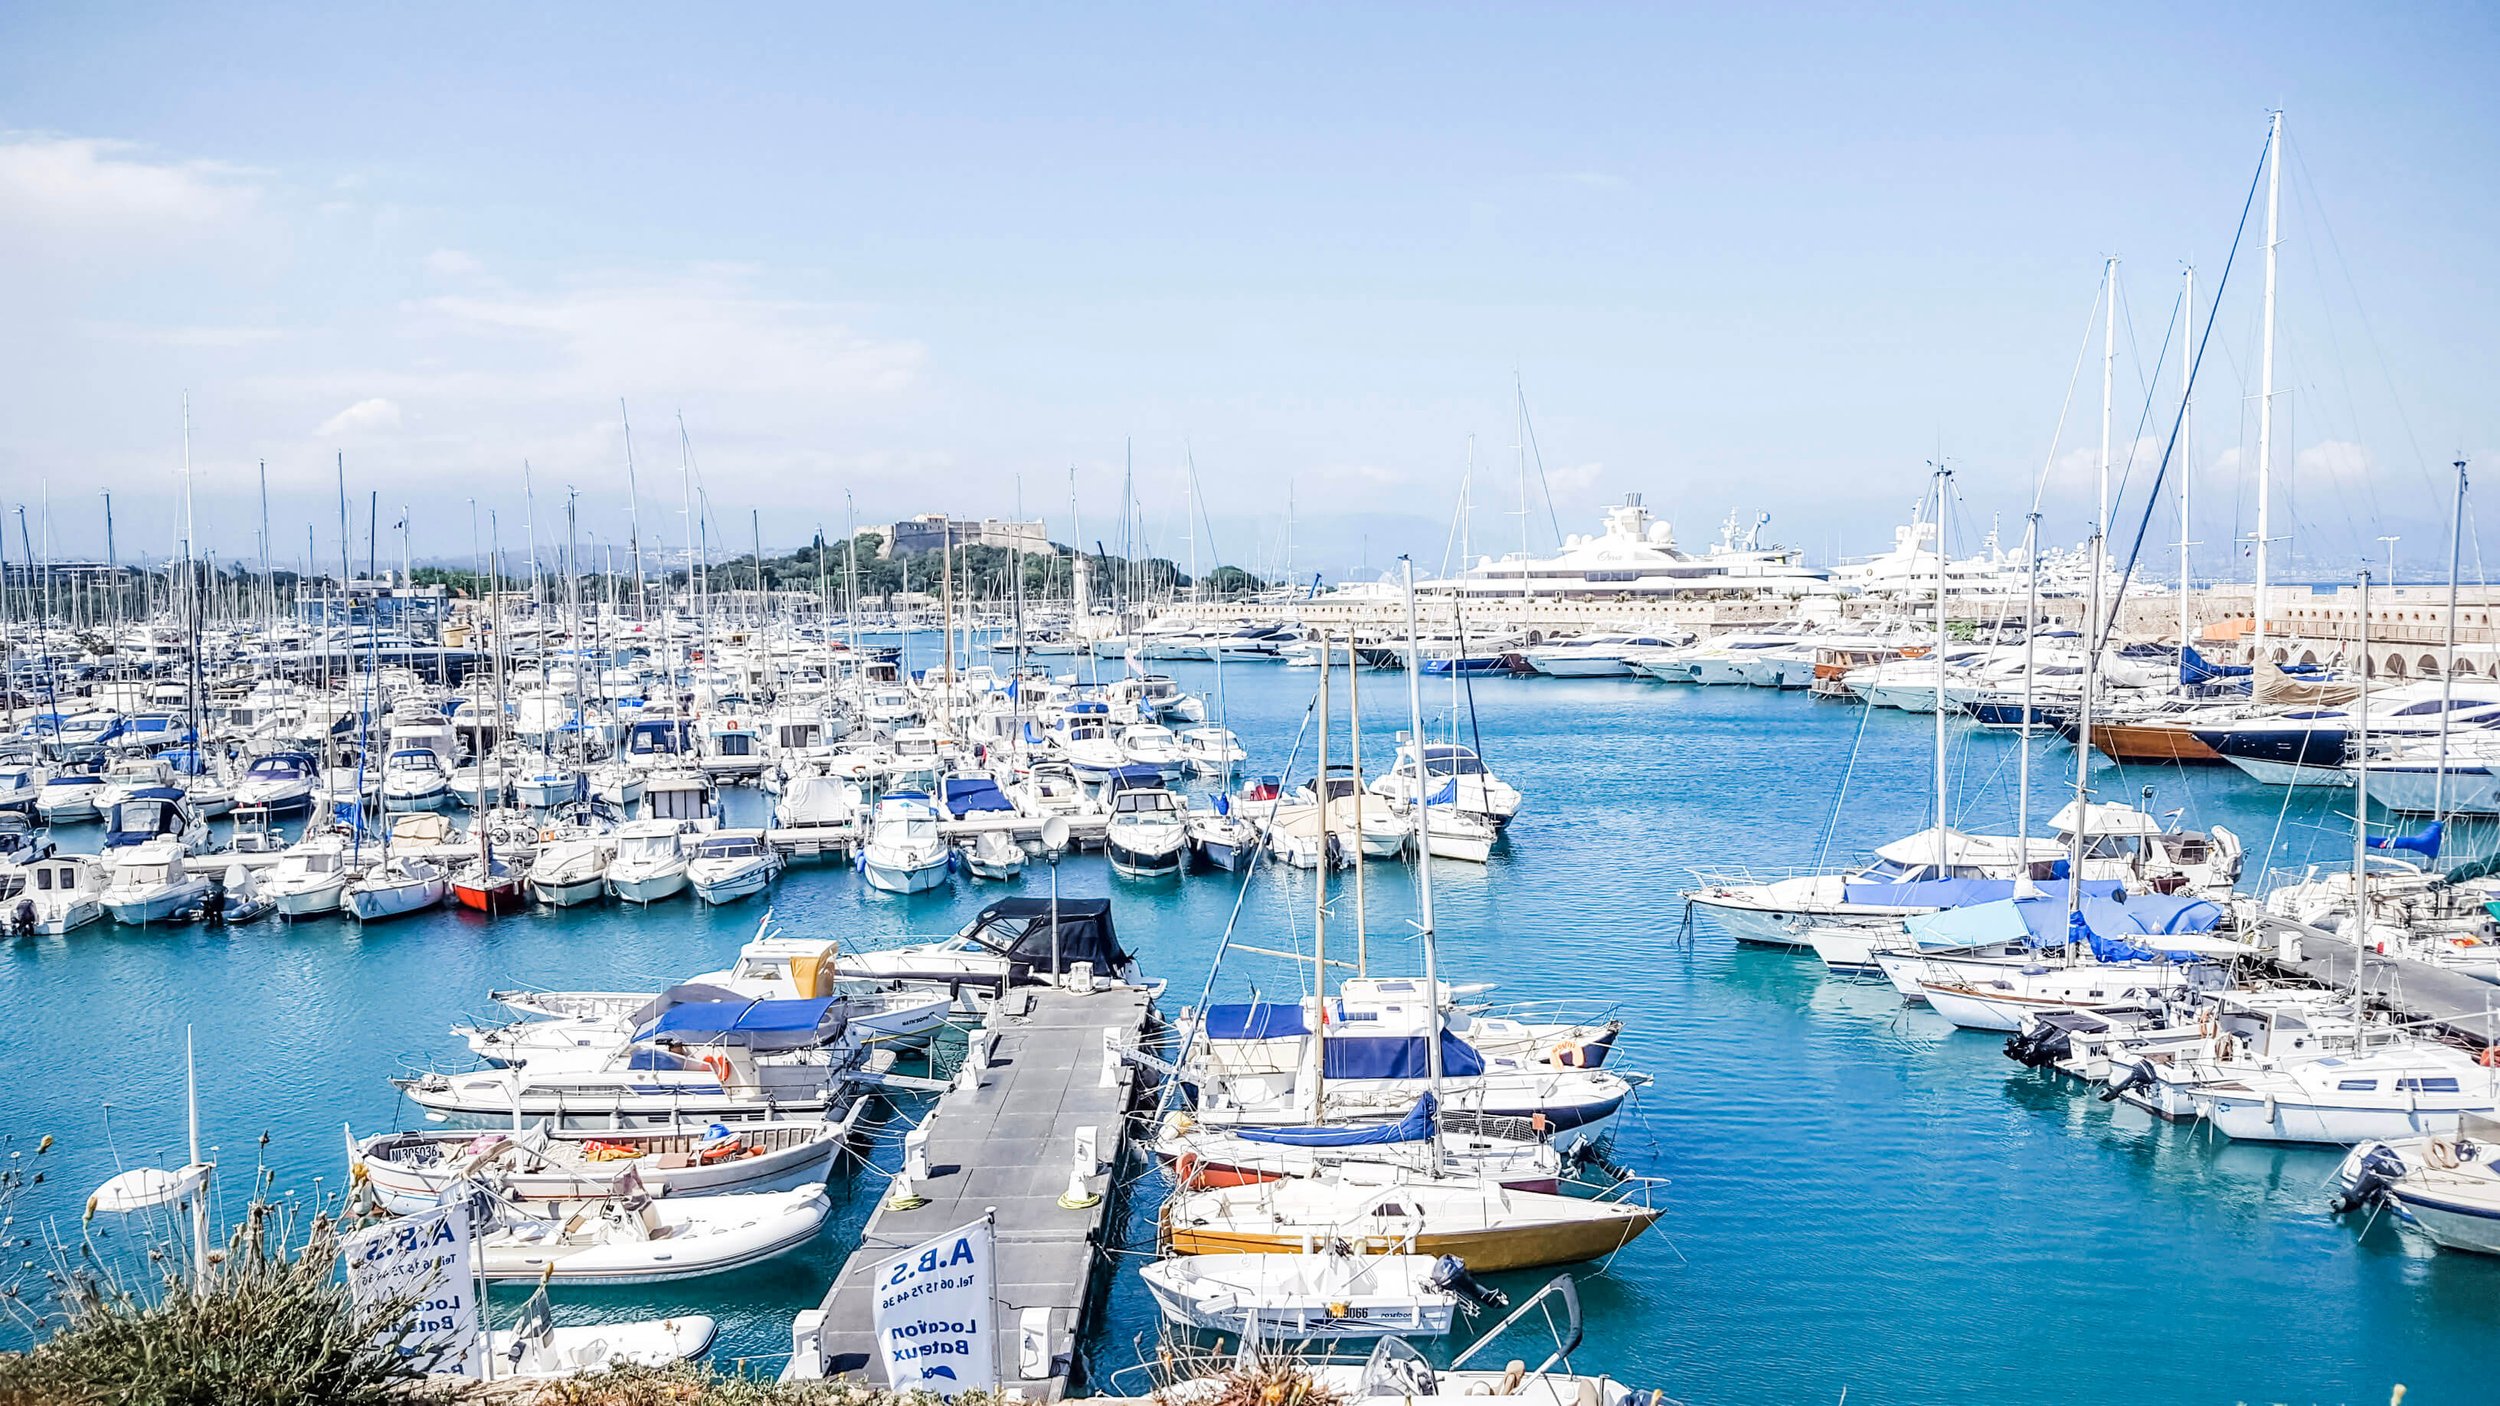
1008 1144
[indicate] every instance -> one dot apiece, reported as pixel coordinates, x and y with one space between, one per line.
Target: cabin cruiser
1049 788
548 785
650 862
1009 943
1331 1293
1489 1227
1596 656
399 885
1212 751
1453 775
20 841
904 852
616 783
729 865
67 796
1153 746
131 775
731 749
20 783
150 813
56 894
1148 834
1376 827
414 778
770 967
278 782
150 883
1084 740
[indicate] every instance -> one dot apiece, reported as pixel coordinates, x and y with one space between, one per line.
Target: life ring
1569 1054
1185 1170
2491 1057
720 1067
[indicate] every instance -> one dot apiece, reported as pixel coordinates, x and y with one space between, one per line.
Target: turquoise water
1861 1199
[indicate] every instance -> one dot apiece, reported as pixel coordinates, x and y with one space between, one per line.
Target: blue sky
1768 261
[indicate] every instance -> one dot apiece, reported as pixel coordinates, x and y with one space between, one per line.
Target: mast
2023 887
2265 393
1423 868
529 508
2448 666
1319 904
1944 856
633 519
2361 797
268 578
1354 731
2187 458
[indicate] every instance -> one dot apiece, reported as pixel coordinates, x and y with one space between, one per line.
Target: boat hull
1491 1249
2146 742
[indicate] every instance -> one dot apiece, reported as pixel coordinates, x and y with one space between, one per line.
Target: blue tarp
1399 1057
2042 922
1133 777
1414 1127
970 794
703 1020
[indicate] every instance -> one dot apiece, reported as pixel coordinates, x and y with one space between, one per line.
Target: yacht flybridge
1634 555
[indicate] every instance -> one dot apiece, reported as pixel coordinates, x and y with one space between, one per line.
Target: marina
845 709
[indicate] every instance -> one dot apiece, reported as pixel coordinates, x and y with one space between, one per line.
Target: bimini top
1019 929
763 1026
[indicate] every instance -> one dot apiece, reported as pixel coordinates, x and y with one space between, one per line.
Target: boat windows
2356 1086
2432 1084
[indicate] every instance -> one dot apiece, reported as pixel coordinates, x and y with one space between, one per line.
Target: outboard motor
22 918
2379 1167
2141 1074
1450 1274
213 906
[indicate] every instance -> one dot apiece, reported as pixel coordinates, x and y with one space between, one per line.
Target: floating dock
2452 1002
1038 1111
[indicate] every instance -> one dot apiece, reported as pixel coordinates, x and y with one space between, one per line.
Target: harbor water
1861 1199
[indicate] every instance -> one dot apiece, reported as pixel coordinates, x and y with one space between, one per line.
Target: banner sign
424 1259
934 1309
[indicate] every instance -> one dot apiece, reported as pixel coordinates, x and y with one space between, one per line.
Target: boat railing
1744 875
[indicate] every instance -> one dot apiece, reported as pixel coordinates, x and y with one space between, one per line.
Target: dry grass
698 1386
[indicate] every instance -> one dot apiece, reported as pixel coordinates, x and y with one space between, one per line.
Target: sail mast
2265 393
1423 866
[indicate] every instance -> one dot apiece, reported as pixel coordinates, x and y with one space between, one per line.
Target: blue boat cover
2193 669
1255 1020
1399 1057
968 794
1414 1127
1132 778
2041 922
704 1019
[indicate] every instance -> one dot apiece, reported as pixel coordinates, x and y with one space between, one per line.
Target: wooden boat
2154 740
1489 1227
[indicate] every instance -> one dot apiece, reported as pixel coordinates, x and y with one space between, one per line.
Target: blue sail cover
1399 1057
1414 1127
2193 668
2424 842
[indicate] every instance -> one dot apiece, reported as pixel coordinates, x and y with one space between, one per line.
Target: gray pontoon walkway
2455 1003
1010 1145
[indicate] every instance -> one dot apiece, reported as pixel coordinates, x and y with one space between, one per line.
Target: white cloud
453 263
1574 478
2333 461
85 188
364 418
